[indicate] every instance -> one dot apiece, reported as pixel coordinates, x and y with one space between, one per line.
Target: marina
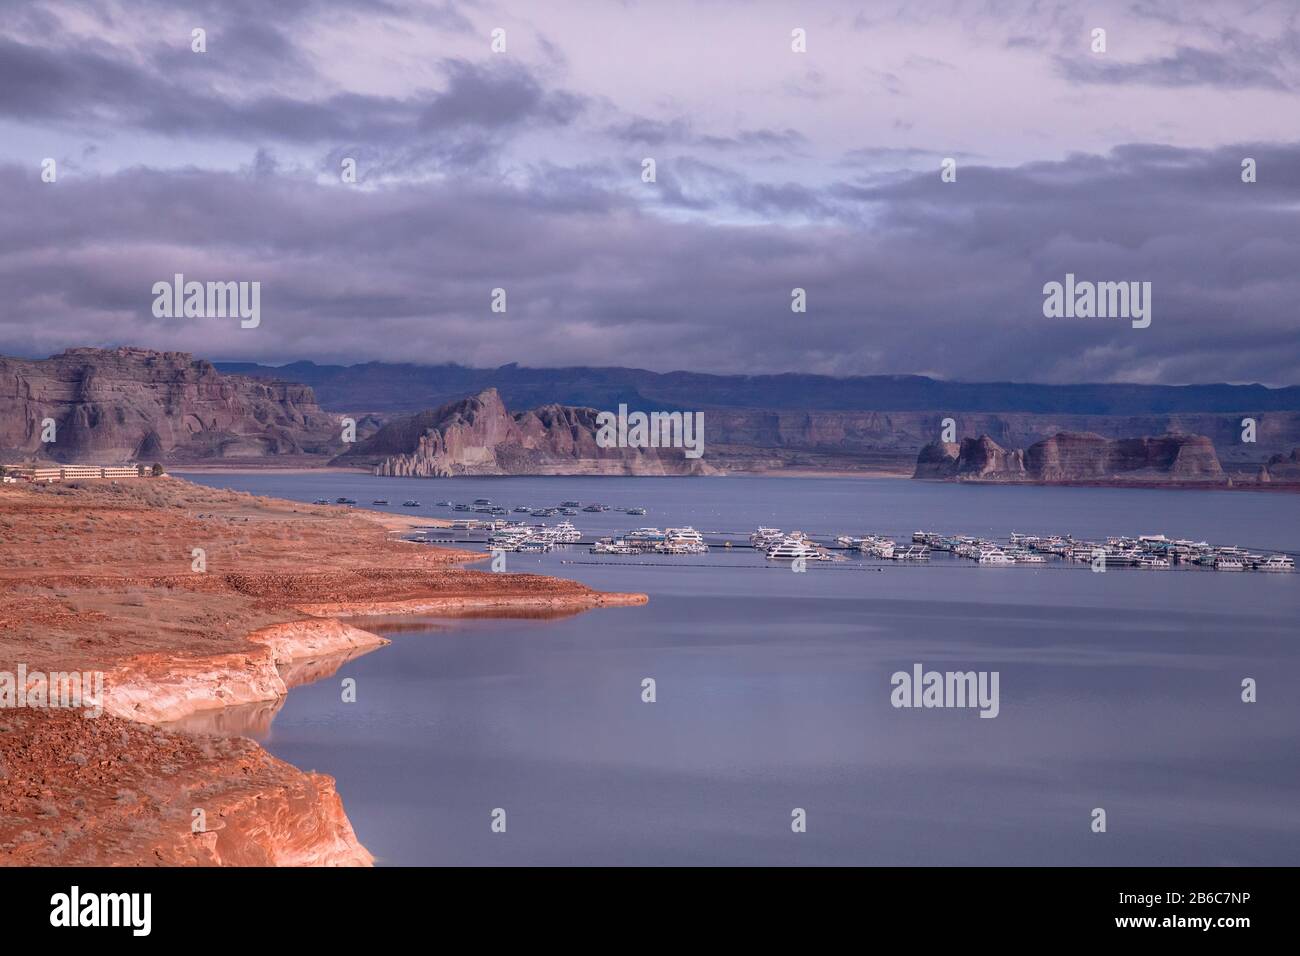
1146 552
506 526
758 661
1149 552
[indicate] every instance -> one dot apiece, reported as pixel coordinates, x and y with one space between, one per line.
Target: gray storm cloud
524 173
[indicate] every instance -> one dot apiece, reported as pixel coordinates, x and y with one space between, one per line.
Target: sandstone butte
97 577
1074 457
479 436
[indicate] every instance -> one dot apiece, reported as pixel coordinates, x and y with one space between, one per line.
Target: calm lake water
1119 690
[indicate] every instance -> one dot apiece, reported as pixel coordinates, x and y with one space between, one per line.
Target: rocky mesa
1281 468
130 404
1074 457
479 436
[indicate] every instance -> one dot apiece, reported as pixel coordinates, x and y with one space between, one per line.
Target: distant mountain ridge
127 404
390 387
818 423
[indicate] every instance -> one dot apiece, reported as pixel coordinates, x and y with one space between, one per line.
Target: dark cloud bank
906 276
903 273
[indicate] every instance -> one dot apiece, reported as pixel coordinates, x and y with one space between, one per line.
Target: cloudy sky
775 169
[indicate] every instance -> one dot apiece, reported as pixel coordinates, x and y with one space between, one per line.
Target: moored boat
791 549
917 552
996 557
566 533
687 535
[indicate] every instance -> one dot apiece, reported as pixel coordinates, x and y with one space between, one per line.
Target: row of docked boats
1149 552
887 549
532 539
980 550
879 546
685 540
1161 552
778 545
564 509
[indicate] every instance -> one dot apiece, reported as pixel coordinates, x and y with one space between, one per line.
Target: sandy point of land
402 523
189 598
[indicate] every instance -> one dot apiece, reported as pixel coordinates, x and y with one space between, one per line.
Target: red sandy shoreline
106 583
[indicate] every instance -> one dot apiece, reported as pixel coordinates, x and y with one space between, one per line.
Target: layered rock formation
974 458
159 688
128 404
1282 468
134 404
478 436
1074 456
109 791
816 422
865 439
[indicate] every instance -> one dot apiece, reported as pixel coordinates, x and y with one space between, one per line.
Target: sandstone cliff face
975 458
128 793
1282 468
1074 456
161 688
939 459
478 436
848 439
1081 457
127 404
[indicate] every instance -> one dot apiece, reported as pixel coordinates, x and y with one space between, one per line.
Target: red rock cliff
127 404
478 436
1074 456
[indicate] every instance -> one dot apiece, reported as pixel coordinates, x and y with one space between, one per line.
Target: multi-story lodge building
74 472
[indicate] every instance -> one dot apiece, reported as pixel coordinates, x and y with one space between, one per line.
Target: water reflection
254 719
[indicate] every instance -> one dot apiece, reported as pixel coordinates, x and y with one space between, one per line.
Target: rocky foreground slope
1074 457
105 582
479 436
119 405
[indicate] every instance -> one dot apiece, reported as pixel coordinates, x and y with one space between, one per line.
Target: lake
1120 691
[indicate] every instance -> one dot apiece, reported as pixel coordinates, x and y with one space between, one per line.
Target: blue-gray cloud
909 275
